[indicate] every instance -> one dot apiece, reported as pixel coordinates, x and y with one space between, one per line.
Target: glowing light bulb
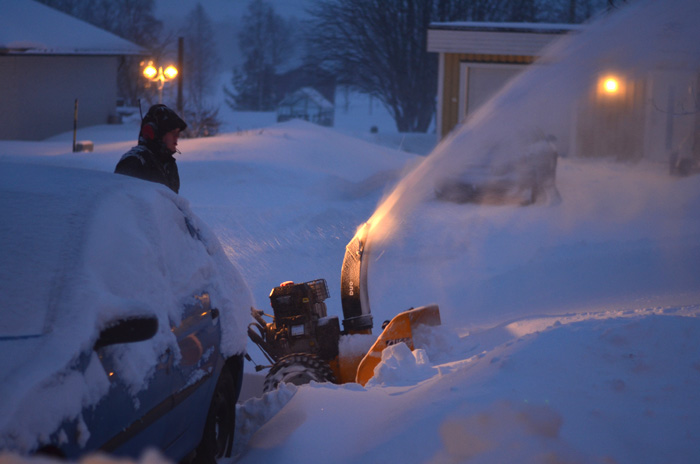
170 72
150 71
611 85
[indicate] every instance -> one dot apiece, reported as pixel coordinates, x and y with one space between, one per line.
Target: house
652 114
307 75
476 59
308 104
660 104
49 59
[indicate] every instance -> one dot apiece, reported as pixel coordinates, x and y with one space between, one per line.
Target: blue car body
171 413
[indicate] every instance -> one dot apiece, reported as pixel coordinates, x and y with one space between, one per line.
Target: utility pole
572 11
181 67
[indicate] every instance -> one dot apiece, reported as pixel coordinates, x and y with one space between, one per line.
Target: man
152 159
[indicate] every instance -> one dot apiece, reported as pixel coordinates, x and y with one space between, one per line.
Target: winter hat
159 121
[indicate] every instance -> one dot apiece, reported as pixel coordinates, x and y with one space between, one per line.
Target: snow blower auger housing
302 341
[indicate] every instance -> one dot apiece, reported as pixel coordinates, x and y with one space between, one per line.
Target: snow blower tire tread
298 369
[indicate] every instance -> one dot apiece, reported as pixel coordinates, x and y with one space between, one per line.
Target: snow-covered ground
570 329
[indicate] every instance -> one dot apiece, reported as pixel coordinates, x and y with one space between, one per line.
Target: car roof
45 211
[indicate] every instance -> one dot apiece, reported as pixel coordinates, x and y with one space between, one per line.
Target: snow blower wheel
298 369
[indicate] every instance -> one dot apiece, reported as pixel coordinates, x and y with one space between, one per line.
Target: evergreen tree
266 43
201 67
201 64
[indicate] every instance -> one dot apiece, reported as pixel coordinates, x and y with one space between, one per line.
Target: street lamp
160 75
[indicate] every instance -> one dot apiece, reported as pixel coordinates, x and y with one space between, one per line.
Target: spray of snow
644 37
486 263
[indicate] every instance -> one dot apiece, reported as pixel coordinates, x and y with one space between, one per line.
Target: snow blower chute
302 341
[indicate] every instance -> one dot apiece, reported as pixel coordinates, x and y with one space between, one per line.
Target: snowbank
610 387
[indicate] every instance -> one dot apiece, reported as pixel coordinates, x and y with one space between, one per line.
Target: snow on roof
306 93
28 27
541 28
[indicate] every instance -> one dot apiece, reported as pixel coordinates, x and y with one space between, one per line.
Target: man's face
170 139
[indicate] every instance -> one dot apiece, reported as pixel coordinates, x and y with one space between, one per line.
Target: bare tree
568 11
379 47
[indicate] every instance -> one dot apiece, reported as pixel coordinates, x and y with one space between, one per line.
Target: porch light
610 86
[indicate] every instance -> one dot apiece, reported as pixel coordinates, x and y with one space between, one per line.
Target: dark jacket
142 163
151 160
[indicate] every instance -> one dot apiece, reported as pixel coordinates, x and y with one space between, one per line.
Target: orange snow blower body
302 341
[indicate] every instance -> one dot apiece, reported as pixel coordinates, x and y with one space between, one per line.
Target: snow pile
401 366
607 387
505 432
252 414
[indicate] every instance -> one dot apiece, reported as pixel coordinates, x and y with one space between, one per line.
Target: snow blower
302 341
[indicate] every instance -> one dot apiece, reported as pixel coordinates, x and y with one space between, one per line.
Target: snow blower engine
302 341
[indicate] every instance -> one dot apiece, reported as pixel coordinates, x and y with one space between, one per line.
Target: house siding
449 115
488 45
39 93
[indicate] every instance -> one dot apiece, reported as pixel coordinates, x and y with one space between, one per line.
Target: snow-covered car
521 179
123 322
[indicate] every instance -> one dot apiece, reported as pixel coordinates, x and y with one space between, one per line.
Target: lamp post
160 75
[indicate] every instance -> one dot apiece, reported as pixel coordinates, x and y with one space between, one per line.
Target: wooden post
75 123
180 65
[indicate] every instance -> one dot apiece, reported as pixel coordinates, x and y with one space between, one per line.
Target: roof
31 28
306 93
537 28
507 39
